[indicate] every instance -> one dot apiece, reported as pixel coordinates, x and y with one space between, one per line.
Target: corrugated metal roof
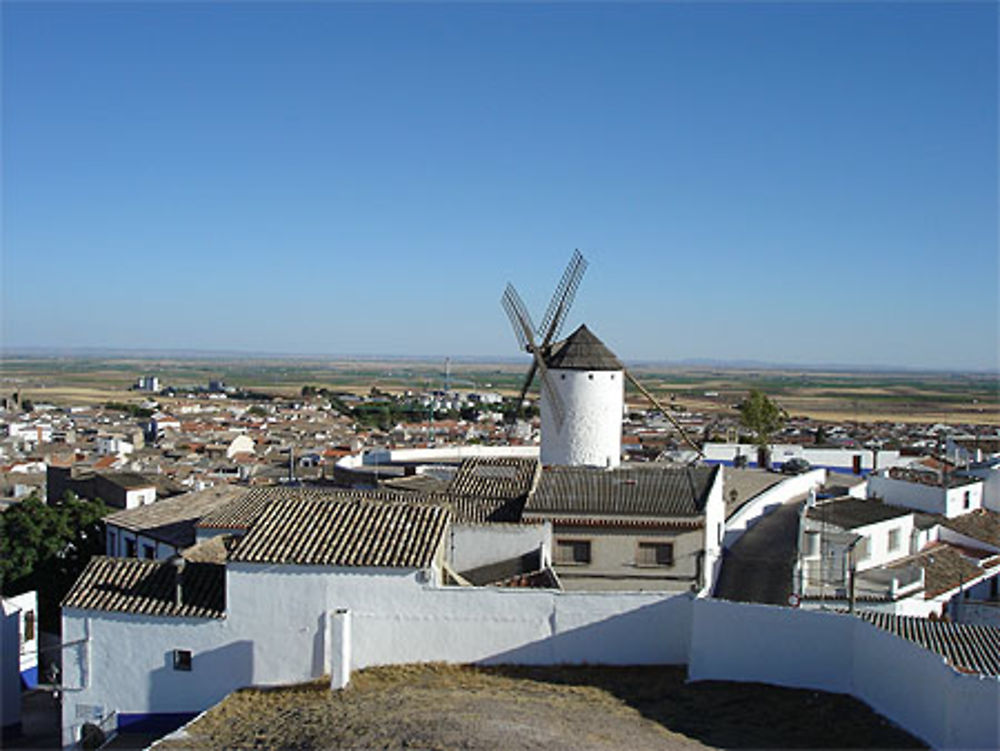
495 477
967 647
633 491
131 585
345 533
581 350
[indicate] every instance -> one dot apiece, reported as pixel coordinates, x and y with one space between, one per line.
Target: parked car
795 466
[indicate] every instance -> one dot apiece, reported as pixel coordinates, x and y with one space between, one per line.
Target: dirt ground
580 708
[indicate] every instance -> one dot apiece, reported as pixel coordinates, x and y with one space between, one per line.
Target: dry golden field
971 399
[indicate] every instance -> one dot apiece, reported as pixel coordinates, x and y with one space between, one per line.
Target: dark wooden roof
969 648
646 491
131 585
344 533
581 350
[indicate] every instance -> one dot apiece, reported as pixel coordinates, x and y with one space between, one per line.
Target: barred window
572 551
655 554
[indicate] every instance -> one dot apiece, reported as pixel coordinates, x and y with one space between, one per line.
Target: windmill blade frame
521 321
562 298
656 403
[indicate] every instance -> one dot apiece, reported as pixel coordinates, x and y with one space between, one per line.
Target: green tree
761 416
46 546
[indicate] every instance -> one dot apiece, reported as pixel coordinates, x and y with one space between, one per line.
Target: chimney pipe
178 563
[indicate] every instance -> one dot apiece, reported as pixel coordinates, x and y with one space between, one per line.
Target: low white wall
841 459
912 686
766 502
444 454
506 626
474 545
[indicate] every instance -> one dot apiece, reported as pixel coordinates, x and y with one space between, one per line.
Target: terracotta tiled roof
968 648
980 524
131 585
945 568
173 520
645 491
496 477
344 533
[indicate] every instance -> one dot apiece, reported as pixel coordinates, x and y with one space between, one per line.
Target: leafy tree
761 416
46 546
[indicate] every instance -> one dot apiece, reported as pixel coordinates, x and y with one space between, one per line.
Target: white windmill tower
582 381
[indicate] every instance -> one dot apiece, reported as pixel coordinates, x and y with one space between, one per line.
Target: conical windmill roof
581 350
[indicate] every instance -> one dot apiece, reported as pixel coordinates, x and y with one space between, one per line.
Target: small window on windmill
590 376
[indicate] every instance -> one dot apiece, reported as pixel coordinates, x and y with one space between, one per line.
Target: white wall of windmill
591 430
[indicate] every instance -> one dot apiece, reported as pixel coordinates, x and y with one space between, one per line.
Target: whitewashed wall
590 433
835 652
276 632
474 545
841 459
127 665
766 502
714 533
932 499
508 626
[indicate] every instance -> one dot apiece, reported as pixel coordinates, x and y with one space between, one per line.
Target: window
149 551
655 554
966 499
29 625
573 552
894 536
130 550
862 549
182 659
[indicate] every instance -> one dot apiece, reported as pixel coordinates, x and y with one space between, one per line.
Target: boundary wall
906 683
764 503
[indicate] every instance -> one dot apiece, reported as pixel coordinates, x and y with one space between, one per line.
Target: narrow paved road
759 567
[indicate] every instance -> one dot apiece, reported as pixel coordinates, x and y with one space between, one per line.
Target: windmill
581 354
555 317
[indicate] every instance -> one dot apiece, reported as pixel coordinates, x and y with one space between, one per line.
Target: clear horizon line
705 362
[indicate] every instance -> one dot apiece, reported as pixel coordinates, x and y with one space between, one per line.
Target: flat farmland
913 397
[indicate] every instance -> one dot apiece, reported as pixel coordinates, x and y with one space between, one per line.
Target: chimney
178 563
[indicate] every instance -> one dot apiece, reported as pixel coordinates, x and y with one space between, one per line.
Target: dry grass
586 708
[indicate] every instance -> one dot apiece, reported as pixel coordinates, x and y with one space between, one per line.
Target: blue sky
792 183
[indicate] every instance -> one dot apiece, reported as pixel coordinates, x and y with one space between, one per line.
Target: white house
927 491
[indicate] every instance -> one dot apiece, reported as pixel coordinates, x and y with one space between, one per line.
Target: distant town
175 512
